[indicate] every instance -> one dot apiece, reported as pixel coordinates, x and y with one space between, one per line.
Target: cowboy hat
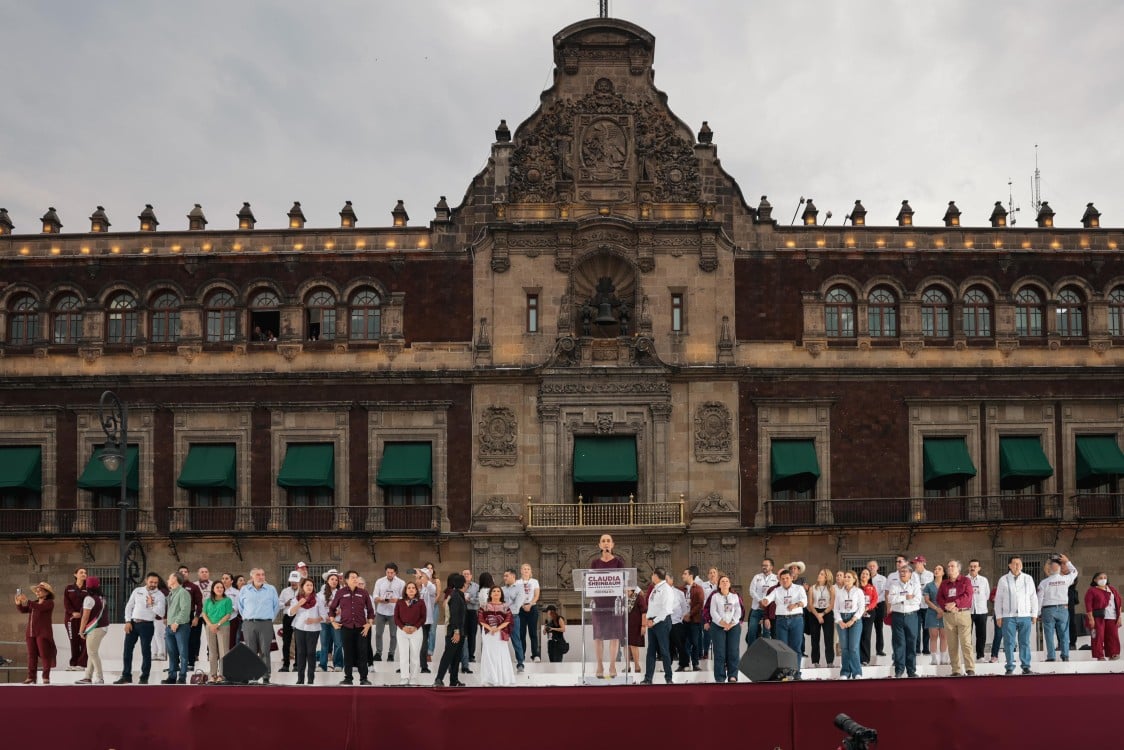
329 574
800 567
45 586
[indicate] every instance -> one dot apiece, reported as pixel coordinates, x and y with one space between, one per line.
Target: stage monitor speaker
241 665
768 660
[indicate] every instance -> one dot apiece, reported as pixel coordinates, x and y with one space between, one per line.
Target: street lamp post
115 423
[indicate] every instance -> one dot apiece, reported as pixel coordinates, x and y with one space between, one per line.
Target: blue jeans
706 643
996 640
755 618
1055 620
790 631
849 639
528 629
726 651
1016 627
330 640
516 641
903 636
659 640
694 642
141 631
176 643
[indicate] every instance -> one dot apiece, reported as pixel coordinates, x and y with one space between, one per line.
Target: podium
604 606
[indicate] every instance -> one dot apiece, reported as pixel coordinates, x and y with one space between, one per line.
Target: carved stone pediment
497 515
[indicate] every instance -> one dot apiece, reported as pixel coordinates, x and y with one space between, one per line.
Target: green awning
947 457
309 466
1023 457
21 468
406 465
209 465
605 459
794 458
1098 456
96 477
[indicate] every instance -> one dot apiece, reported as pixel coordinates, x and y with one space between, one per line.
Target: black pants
450 660
1073 623
979 624
678 644
864 639
354 652
141 631
556 649
922 632
472 627
424 656
306 654
879 619
286 640
828 631
194 643
529 631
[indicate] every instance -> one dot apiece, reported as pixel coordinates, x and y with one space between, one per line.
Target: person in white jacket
1016 611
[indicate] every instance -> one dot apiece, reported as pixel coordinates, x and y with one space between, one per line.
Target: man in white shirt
981 593
661 603
528 623
513 598
145 604
791 601
903 595
1016 609
879 582
388 590
758 587
1053 599
924 578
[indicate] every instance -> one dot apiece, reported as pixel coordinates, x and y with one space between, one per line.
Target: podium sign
605 583
605 608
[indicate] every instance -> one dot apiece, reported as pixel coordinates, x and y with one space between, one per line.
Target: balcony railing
598 515
910 511
1097 507
321 519
72 521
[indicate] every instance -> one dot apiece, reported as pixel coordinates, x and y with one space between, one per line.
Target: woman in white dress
495 657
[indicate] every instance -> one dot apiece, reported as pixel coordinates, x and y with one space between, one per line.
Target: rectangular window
677 312
532 313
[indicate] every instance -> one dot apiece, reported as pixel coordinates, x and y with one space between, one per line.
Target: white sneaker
75 669
935 659
99 681
537 660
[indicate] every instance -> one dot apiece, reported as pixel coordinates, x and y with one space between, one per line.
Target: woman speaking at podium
608 613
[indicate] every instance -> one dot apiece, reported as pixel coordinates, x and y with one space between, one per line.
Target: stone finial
503 132
952 215
296 216
1045 216
999 215
196 221
810 213
51 222
6 225
99 222
348 219
147 218
706 135
1091 219
399 214
764 210
441 211
905 215
858 214
246 218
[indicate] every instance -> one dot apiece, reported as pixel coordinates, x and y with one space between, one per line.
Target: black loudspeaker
241 665
768 660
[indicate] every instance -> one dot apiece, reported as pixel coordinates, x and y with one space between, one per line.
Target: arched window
222 317
121 319
1070 313
1116 311
977 314
366 316
265 316
935 313
23 321
882 313
67 319
1029 312
165 316
839 313
320 315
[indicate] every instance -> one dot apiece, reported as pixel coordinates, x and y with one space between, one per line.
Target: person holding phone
39 636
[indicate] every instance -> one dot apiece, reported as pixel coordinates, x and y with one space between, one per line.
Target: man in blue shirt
259 604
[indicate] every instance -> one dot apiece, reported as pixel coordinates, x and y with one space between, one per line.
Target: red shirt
72 598
695 597
1097 599
354 607
958 592
38 617
409 614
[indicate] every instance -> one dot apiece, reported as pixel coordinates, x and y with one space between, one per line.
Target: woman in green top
178 619
218 608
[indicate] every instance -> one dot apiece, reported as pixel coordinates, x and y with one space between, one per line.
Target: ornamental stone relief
712 433
498 431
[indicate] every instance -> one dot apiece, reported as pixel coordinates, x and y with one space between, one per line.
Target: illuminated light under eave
264 249
820 243
236 246
910 243
1026 245
790 243
997 244
360 244
968 244
329 245
850 242
85 251
206 246
938 243
1055 245
24 251
391 244
880 242
298 246
146 250
176 248
422 244
1112 246
56 250
115 249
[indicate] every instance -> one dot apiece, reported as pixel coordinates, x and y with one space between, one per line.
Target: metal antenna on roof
604 13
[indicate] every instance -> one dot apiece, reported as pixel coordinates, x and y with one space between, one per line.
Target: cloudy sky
270 101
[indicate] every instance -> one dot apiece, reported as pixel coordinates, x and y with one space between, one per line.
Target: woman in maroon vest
40 640
72 598
94 625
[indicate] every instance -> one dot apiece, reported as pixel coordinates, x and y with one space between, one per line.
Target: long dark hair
327 591
486 581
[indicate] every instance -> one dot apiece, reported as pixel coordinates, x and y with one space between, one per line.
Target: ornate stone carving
644 386
566 352
912 346
289 351
1100 346
712 504
712 433
815 347
609 137
604 423
494 508
90 354
498 430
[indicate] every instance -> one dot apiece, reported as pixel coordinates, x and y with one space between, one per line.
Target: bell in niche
604 314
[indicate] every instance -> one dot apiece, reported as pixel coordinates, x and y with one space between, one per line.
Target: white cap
302 564
295 577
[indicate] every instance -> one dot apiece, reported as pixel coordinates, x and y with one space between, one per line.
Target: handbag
198 678
1098 613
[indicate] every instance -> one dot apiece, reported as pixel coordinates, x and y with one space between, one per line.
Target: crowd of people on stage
336 623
